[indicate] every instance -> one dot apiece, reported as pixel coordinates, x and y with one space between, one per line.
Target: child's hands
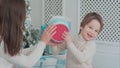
67 37
48 33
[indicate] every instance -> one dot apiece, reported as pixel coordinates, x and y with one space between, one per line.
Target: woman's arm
29 60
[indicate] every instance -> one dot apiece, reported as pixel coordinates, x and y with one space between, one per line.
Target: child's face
90 30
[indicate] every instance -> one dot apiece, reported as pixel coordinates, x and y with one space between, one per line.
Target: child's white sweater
80 53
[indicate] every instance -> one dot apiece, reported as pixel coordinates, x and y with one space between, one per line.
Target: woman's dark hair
91 16
12 17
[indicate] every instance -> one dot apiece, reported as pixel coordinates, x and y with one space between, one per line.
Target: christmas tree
30 33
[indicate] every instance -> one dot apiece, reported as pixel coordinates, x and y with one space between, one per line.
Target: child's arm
84 55
81 56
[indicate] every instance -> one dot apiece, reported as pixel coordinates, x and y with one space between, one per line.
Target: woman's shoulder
5 64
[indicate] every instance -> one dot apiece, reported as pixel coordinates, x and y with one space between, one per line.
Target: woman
12 17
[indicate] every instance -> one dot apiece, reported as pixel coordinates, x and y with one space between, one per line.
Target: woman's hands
48 33
67 37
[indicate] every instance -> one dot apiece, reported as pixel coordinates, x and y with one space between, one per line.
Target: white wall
107 55
71 11
35 12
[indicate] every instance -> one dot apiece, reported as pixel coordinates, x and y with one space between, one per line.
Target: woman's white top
26 59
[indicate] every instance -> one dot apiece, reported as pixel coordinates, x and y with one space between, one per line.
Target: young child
82 48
